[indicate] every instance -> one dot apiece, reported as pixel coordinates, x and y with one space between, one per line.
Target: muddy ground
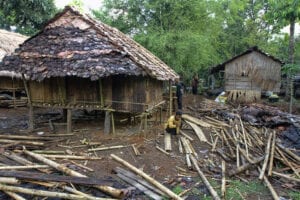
89 128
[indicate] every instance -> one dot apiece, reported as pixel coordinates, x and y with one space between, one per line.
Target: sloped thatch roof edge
143 58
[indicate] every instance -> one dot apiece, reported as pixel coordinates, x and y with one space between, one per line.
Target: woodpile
247 149
22 171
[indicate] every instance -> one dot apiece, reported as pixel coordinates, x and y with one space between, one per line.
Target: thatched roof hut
10 80
249 73
78 62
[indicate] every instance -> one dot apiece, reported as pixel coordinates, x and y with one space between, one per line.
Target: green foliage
290 69
77 4
192 36
27 16
177 190
294 195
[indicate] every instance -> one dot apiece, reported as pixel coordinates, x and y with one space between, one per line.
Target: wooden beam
170 98
69 121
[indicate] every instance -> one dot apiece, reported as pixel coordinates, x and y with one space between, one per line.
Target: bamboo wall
124 94
253 71
9 83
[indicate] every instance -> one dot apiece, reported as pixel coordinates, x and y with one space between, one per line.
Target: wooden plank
37 176
161 187
168 144
198 131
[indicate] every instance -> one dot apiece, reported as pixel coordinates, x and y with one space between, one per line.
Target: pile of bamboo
22 171
247 149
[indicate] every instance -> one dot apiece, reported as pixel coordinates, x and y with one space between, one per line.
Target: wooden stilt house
76 62
250 73
10 81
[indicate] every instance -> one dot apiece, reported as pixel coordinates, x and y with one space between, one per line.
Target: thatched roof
221 66
74 44
9 41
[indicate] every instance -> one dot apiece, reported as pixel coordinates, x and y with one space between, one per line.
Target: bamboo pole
227 143
267 155
246 166
147 177
285 176
14 195
223 187
41 192
270 187
213 193
108 190
272 154
170 98
188 161
186 135
24 167
107 148
135 149
286 161
30 113
180 146
163 151
294 156
71 157
9 180
22 142
23 161
213 149
167 141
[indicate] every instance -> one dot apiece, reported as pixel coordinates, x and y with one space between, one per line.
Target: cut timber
106 189
213 193
135 150
36 176
188 161
22 142
42 192
23 161
148 178
71 157
198 131
267 155
223 186
286 177
168 144
163 151
24 137
186 135
246 166
106 148
24 167
272 154
196 121
269 185
138 179
14 195
180 146
9 180
139 186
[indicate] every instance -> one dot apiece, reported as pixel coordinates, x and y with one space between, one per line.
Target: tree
27 16
179 32
283 13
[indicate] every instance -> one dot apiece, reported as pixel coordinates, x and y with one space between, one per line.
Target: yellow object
173 123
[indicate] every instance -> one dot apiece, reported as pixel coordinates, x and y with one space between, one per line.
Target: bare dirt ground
160 166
